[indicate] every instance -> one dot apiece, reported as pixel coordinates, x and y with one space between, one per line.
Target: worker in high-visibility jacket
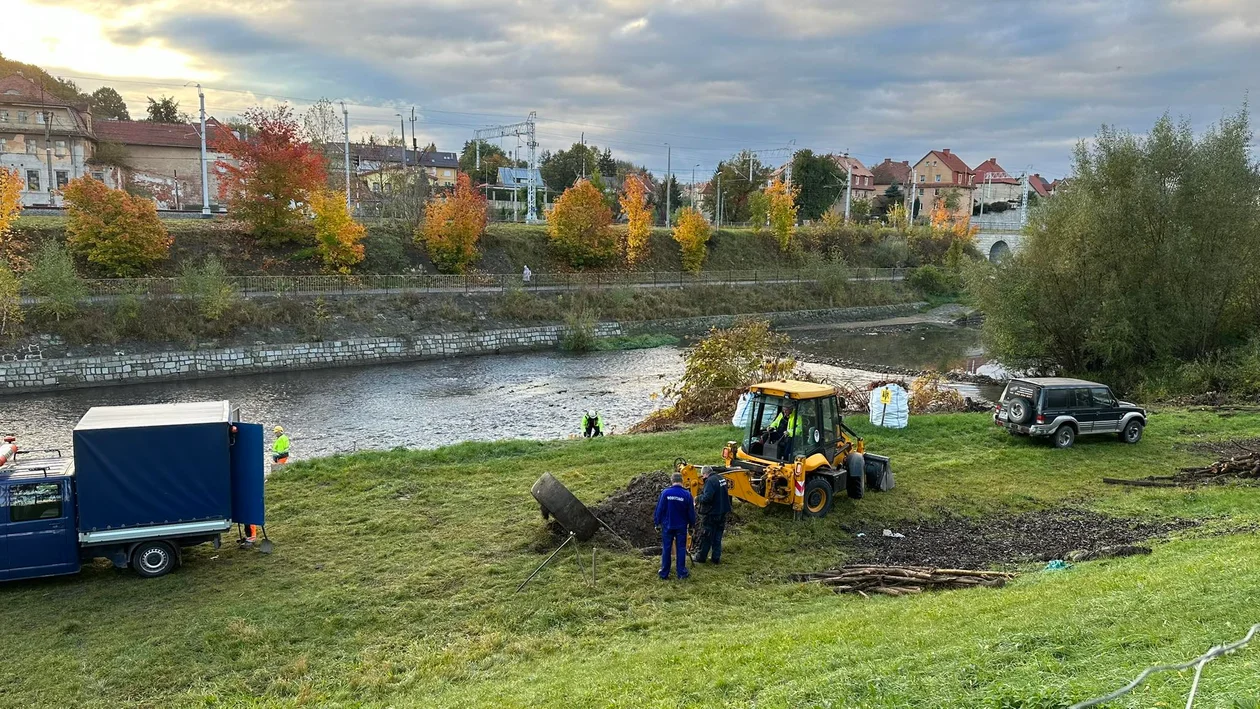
786 427
592 424
280 448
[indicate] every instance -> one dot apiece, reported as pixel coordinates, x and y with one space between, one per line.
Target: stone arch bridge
997 245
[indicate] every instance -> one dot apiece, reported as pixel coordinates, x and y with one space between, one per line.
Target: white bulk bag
890 406
742 412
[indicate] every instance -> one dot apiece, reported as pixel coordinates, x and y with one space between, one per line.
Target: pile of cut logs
901 580
1243 467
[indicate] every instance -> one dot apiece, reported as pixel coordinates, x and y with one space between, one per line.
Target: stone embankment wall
80 372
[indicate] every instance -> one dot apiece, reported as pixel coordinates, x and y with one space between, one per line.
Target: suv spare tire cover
1020 410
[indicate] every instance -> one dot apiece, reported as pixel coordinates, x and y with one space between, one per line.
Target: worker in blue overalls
675 514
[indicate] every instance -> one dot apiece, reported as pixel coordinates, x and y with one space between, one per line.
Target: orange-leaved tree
271 176
579 227
782 209
634 204
692 234
337 234
10 206
118 233
453 225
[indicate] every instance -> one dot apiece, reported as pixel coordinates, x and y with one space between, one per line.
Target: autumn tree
492 158
453 225
579 227
118 233
692 234
10 301
782 211
758 211
337 234
634 203
10 206
273 174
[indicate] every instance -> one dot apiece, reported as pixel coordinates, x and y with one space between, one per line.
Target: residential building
863 182
370 161
47 140
940 174
1038 186
994 184
161 160
889 173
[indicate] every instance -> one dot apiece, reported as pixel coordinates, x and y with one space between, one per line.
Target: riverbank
393 584
31 372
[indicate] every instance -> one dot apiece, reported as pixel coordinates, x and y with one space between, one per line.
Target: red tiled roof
991 165
846 161
171 135
1038 185
888 172
16 86
952 161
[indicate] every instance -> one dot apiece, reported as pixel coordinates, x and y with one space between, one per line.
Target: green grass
393 584
634 342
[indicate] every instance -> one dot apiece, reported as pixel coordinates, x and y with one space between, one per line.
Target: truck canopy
153 464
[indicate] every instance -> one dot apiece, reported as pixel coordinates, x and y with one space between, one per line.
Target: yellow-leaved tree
579 226
452 226
692 234
117 232
782 210
10 206
338 237
634 204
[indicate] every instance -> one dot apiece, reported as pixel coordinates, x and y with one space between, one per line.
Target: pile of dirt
958 542
629 510
1227 449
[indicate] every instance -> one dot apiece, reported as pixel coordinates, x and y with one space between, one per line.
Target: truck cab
38 535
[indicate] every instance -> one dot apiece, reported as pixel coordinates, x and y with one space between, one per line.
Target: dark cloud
1020 81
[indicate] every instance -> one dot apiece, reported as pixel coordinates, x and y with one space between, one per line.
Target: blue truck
144 483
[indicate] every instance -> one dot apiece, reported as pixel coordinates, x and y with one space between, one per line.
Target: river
539 395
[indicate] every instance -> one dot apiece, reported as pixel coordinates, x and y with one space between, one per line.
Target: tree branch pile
864 579
1243 467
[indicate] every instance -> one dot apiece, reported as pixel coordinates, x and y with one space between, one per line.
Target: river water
538 395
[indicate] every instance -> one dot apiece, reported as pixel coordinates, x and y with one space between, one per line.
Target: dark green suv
1062 409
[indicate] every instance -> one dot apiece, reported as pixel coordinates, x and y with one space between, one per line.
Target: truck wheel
855 476
1019 411
153 559
1132 433
564 507
1065 436
818 496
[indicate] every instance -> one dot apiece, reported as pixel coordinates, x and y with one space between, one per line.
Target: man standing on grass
675 513
714 504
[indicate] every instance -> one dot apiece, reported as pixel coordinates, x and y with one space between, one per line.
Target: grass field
393 585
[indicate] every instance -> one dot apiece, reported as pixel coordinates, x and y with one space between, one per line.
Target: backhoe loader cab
796 451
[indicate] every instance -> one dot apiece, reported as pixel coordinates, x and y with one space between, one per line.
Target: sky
1018 80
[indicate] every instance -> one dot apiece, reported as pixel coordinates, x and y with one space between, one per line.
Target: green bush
53 279
385 250
579 328
208 285
934 280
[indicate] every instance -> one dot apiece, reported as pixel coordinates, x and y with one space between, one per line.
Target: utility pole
848 190
345 115
205 169
693 185
52 182
1023 202
718 211
402 142
914 185
414 146
668 155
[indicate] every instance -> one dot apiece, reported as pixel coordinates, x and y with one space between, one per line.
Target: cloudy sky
1015 79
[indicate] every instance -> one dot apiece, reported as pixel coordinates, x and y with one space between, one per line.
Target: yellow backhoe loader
796 451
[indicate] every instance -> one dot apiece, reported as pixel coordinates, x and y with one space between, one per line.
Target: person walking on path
714 505
675 514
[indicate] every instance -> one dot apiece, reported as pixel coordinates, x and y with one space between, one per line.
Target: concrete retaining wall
81 372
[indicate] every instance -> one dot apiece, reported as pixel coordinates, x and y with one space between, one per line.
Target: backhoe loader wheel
818 497
569 511
855 476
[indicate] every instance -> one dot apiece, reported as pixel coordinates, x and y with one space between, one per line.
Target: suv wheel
1132 433
1065 436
